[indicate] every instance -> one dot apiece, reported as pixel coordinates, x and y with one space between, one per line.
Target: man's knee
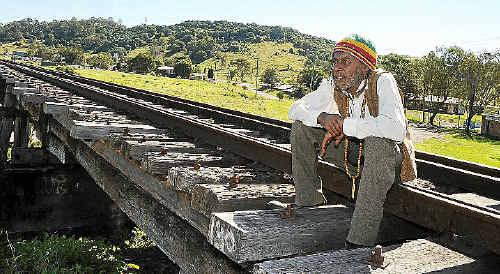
297 126
299 131
378 146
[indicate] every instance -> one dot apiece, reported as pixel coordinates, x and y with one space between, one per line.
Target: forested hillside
200 39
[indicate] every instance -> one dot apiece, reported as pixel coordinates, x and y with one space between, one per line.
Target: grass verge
456 144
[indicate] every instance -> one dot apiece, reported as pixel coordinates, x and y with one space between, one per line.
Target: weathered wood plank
94 131
182 243
161 189
177 202
6 125
418 256
441 214
54 108
59 150
137 150
21 131
246 236
32 98
158 163
19 90
209 198
185 178
32 156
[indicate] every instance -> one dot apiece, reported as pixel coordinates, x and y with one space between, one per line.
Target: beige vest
408 166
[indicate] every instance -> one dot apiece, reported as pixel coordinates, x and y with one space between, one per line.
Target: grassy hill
284 57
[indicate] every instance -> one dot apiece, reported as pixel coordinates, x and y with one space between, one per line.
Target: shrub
60 254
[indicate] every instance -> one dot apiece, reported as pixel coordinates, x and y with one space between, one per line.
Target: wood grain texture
158 163
210 198
182 243
418 256
95 131
185 178
246 236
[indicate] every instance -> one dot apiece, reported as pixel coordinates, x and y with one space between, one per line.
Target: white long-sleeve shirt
390 123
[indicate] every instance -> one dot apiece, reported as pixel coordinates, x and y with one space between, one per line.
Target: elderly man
360 111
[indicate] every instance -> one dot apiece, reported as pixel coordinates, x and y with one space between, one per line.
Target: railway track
265 140
275 133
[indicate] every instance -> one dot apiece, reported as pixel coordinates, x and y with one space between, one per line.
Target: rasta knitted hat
360 47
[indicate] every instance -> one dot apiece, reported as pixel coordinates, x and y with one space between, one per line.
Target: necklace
353 177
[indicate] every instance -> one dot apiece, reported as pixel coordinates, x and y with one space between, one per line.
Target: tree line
98 42
200 40
444 73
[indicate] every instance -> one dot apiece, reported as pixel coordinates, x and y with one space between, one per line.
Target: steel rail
426 208
438 169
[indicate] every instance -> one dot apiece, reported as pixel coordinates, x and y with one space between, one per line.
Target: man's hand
327 140
333 123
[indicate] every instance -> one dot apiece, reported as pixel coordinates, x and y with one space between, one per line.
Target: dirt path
421 134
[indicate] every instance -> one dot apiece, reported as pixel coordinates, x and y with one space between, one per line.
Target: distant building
20 55
286 88
48 63
166 71
197 76
452 105
490 126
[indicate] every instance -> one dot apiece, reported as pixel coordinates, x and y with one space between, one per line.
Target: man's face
348 71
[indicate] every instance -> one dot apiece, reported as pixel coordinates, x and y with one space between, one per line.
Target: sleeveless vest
408 166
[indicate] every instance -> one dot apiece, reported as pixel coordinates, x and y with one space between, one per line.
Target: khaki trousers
382 162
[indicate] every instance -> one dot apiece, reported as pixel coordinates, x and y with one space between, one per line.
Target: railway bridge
198 180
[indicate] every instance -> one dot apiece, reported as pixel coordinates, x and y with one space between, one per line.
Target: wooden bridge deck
206 208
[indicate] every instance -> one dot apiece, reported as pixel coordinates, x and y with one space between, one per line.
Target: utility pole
257 76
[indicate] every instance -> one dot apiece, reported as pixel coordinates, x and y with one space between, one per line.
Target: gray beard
355 81
348 86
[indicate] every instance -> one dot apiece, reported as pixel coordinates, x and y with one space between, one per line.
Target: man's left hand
327 140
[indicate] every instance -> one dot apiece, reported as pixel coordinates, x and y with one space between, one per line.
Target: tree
183 66
143 62
101 60
482 82
440 78
210 73
405 71
230 75
37 49
270 76
242 65
310 78
72 55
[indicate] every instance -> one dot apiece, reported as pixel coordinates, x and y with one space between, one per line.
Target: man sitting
360 110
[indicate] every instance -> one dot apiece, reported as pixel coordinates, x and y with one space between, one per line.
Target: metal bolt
234 181
377 258
288 213
163 151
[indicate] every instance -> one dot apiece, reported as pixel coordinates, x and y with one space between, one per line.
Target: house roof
165 68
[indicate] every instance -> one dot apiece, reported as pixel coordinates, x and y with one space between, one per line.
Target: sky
395 26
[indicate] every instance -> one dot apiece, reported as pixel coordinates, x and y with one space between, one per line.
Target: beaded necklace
353 177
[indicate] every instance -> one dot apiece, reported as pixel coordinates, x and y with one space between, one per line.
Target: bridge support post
21 131
6 122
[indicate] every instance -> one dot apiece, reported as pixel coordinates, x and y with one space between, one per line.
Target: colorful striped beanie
360 47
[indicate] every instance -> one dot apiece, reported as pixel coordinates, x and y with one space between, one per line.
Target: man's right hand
333 123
